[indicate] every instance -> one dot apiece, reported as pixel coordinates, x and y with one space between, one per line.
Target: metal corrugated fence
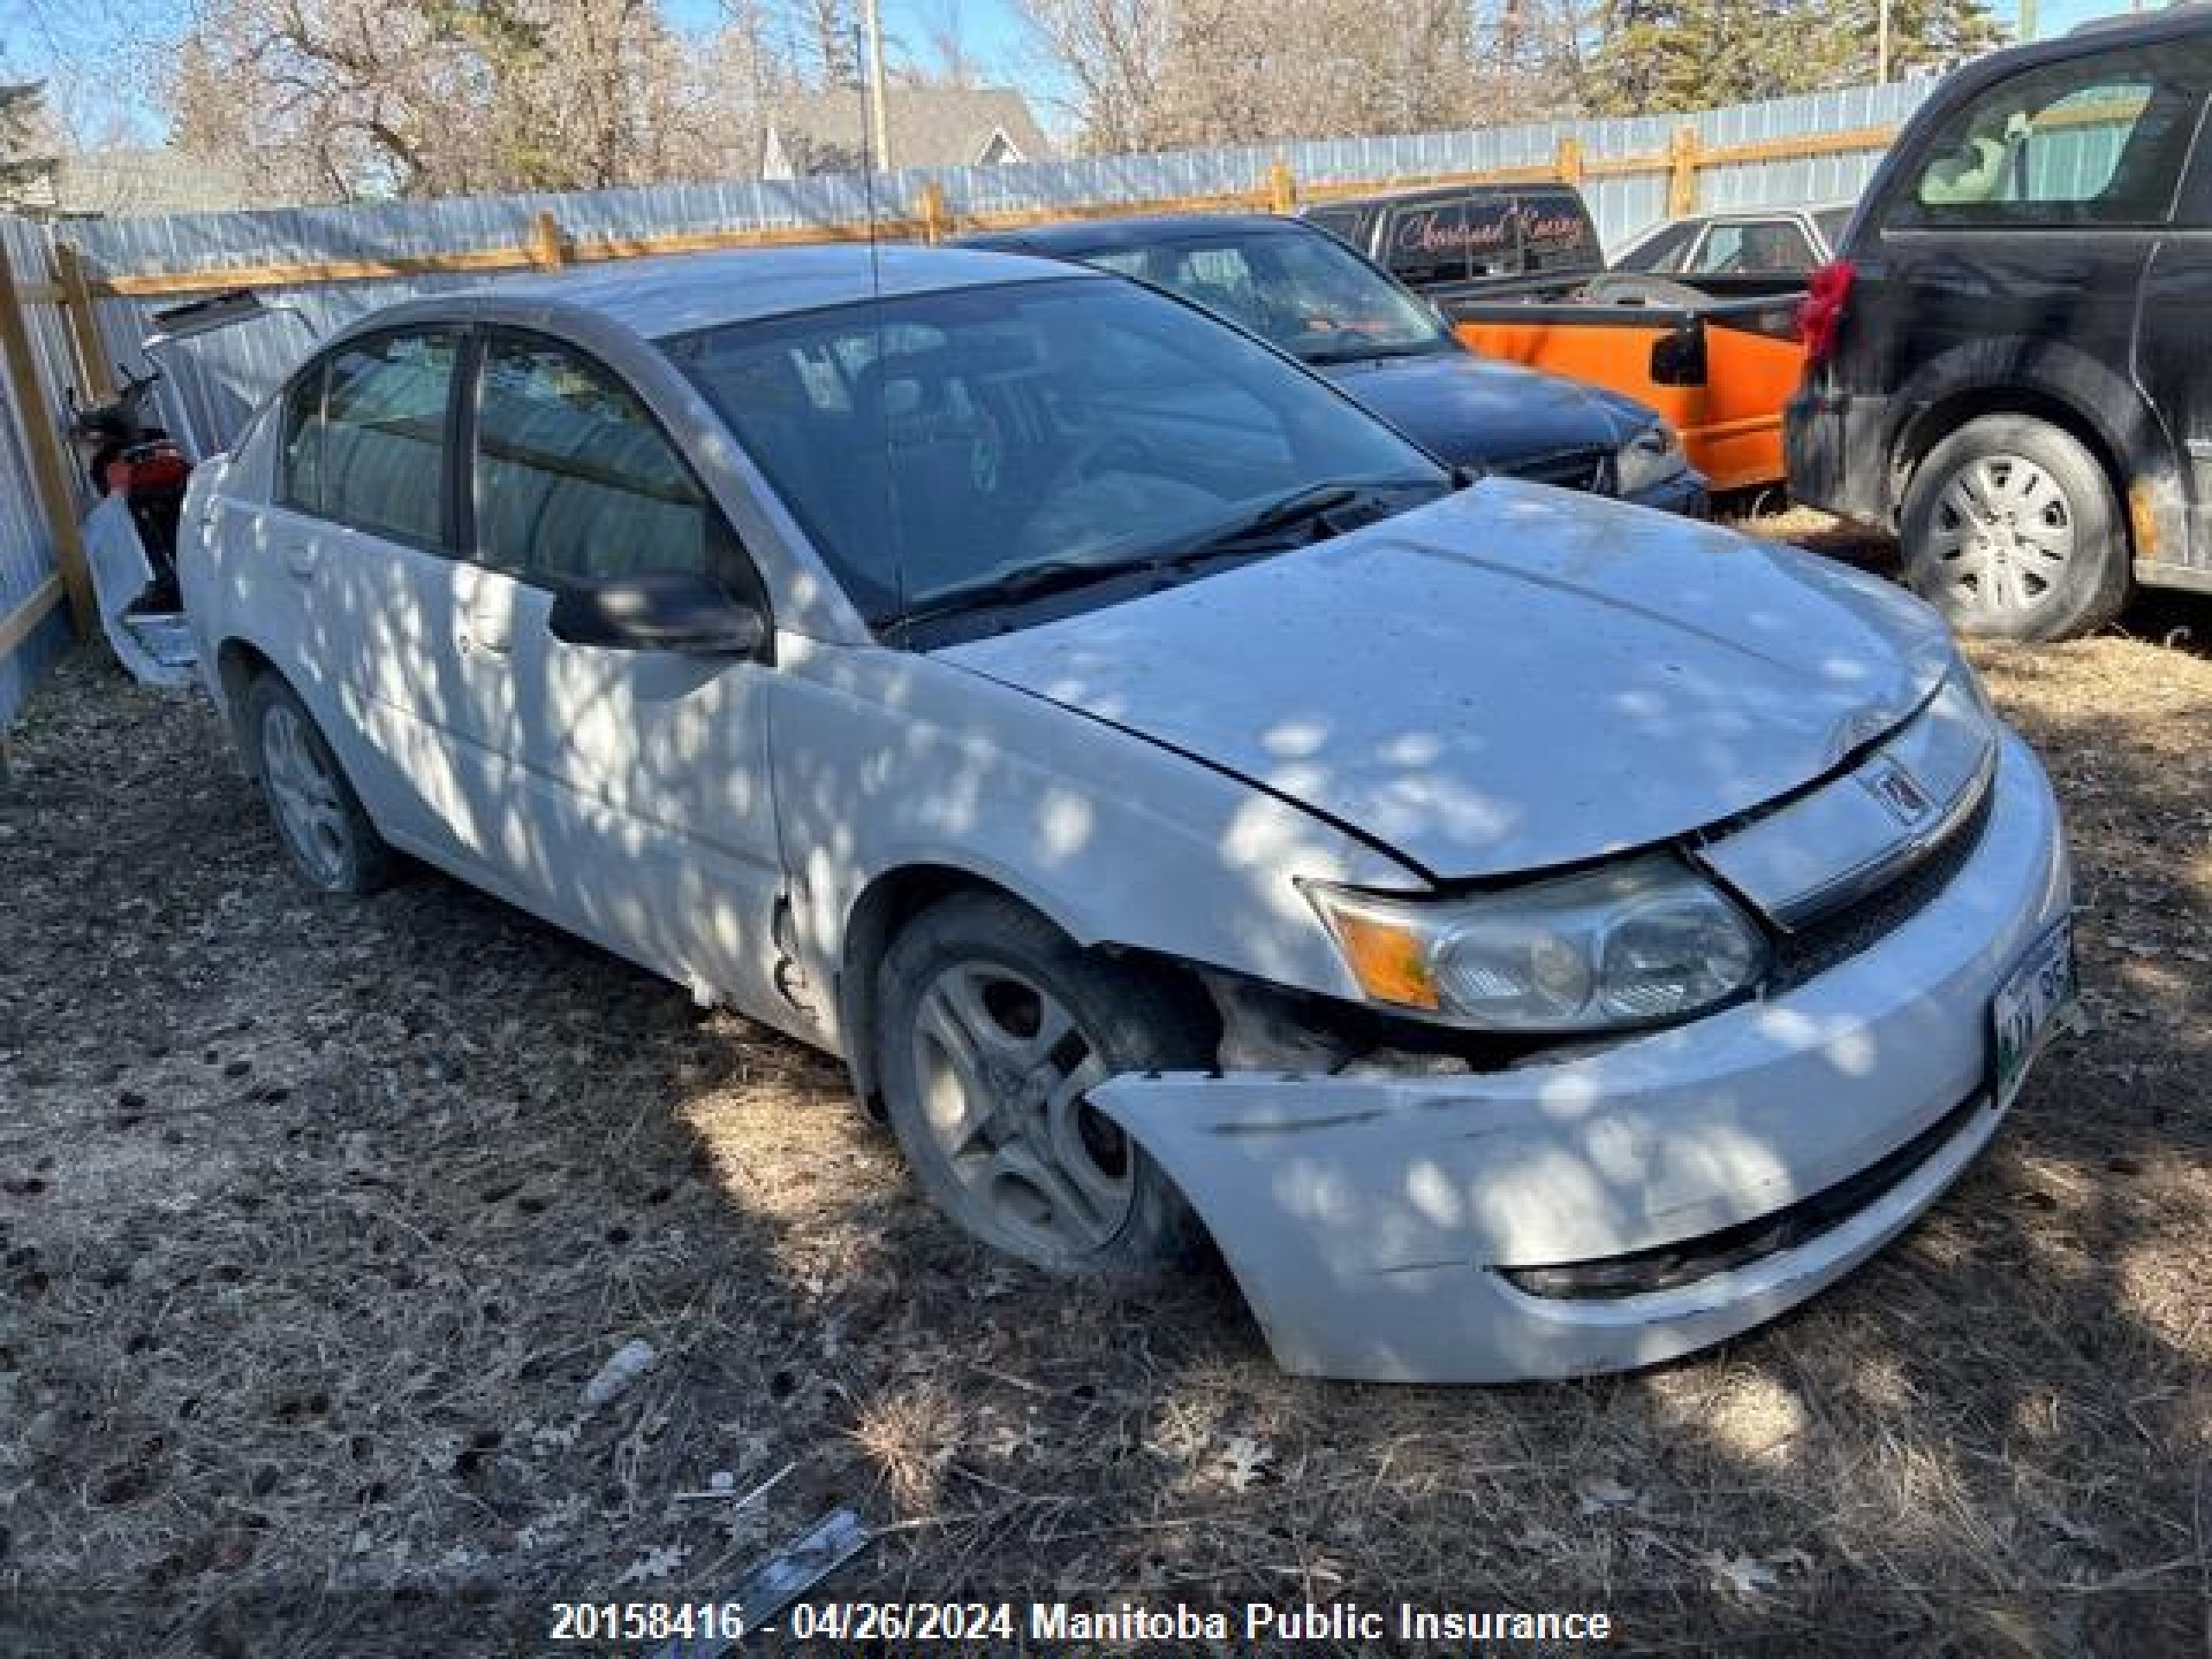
216 381
27 558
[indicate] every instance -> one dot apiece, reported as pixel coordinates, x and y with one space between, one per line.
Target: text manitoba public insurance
1335 1621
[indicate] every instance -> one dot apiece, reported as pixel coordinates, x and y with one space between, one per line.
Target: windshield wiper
1376 351
1311 506
1032 582
1253 533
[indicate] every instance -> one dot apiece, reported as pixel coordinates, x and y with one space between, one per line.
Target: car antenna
870 90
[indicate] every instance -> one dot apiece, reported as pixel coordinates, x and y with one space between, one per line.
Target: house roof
929 126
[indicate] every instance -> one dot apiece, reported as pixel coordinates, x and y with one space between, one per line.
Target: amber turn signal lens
1387 958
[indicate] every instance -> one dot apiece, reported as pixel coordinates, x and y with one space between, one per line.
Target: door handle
485 625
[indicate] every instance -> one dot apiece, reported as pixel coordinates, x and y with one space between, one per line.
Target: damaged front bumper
1608 1211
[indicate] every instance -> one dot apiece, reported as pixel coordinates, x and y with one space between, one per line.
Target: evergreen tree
1664 56
21 103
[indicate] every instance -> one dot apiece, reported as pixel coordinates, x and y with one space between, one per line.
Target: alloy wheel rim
308 807
2003 538
1005 1074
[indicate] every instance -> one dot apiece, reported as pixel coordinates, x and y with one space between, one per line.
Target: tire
319 818
2010 529
990 1110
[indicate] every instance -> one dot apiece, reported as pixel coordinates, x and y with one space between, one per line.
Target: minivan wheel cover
308 810
1005 1074
2002 537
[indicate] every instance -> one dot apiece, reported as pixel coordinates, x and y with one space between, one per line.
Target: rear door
357 603
650 823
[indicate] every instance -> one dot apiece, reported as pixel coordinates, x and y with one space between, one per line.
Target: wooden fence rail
549 247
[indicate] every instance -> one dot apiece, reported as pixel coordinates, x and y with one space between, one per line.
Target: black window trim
744 583
319 367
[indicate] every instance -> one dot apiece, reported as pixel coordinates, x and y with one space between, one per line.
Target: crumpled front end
1608 1210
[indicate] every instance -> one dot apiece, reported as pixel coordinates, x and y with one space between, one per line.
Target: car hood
1511 678
1477 411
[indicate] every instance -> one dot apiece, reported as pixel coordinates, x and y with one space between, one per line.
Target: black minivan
2008 361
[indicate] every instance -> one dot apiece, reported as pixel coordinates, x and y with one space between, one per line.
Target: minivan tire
989 1108
2010 528
318 818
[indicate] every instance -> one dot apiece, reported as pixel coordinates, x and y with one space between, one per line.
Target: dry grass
314 1219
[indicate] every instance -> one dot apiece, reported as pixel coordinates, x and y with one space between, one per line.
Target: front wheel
2011 529
992 1029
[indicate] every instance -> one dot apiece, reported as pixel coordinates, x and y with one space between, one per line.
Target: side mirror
666 611
1678 357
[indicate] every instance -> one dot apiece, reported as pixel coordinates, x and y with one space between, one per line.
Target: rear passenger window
1753 247
1663 252
574 478
377 459
2098 140
1451 241
1556 234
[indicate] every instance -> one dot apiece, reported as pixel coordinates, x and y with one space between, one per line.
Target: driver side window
574 478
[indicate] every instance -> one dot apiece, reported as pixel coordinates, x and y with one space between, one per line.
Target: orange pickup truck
1517 271
1720 366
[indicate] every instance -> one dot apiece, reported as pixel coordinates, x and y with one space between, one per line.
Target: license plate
2030 1005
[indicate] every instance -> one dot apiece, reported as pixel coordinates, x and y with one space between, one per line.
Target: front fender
887 760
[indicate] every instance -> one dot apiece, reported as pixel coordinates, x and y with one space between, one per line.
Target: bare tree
944 58
1157 74
370 98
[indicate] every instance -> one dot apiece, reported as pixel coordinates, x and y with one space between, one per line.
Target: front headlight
1652 454
1630 944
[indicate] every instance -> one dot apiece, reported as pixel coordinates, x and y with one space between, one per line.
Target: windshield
1302 290
931 442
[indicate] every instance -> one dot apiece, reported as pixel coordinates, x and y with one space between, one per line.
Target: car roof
2106 27
2146 28
677 294
1074 237
1707 217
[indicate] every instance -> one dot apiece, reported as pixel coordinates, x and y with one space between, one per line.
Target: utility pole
1882 41
879 127
2027 20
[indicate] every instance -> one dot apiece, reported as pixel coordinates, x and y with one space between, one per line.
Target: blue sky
72 43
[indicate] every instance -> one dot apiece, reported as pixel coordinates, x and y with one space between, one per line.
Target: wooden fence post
94 381
547 251
49 475
1569 161
1282 188
935 220
1682 163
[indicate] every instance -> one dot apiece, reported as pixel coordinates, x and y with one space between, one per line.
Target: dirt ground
315 1218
